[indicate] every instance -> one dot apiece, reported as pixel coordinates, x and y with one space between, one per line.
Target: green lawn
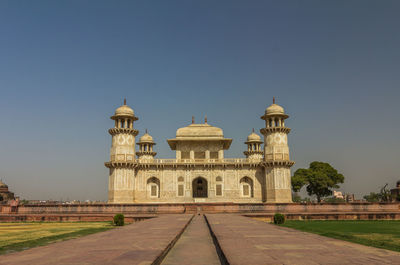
20 236
381 234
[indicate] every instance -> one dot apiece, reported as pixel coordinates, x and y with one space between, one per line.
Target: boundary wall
104 212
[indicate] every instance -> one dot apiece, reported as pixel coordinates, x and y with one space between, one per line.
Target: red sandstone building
5 195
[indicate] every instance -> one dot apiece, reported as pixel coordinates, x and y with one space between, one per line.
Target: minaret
254 151
276 156
121 182
146 144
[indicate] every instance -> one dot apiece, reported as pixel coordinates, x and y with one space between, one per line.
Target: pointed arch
200 187
246 187
181 187
153 187
219 186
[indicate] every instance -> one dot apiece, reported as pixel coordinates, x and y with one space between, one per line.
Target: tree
372 197
334 200
383 196
299 179
320 178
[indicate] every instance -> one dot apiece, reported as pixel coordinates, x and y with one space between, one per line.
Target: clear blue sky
66 65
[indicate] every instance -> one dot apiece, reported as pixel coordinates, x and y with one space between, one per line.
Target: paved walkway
139 243
247 241
242 240
194 247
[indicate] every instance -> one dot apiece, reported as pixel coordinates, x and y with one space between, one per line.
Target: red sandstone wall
205 207
105 212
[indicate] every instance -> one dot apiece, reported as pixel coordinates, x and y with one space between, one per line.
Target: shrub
119 219
279 218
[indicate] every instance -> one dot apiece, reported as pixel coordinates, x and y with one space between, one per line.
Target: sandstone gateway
199 173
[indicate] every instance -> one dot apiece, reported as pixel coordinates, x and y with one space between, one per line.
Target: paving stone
194 247
247 241
138 243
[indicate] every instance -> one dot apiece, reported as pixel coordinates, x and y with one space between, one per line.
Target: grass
378 233
20 236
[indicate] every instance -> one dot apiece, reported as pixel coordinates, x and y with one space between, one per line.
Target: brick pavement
247 241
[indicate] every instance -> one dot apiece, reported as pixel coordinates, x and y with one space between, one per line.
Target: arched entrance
200 188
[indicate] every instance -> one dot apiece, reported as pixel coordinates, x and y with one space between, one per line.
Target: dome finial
205 119
146 130
192 119
124 101
253 129
273 100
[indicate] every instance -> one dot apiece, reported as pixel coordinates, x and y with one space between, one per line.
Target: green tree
334 200
385 194
372 197
299 179
320 179
382 196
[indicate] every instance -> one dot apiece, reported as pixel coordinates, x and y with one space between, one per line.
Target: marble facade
199 172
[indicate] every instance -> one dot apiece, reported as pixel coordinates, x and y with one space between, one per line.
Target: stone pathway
241 239
195 246
247 241
139 243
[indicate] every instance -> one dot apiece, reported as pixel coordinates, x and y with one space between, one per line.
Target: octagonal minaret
254 151
121 182
276 155
146 152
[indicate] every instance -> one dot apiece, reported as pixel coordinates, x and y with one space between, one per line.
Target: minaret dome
254 150
146 138
146 144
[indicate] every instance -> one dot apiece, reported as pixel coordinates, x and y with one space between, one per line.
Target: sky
65 66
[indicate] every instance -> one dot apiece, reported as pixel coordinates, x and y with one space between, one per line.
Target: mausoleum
199 172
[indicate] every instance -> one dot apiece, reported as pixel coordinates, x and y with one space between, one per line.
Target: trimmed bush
119 219
279 219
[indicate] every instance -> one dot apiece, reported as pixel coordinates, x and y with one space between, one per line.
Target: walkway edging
164 253
221 255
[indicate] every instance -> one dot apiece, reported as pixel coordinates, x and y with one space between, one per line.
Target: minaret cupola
146 144
124 117
276 162
122 156
254 150
275 133
274 116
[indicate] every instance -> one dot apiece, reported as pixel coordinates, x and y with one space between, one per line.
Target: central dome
194 134
199 130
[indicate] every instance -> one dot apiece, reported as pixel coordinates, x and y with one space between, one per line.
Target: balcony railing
199 161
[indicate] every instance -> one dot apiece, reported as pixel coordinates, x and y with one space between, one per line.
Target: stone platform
189 239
